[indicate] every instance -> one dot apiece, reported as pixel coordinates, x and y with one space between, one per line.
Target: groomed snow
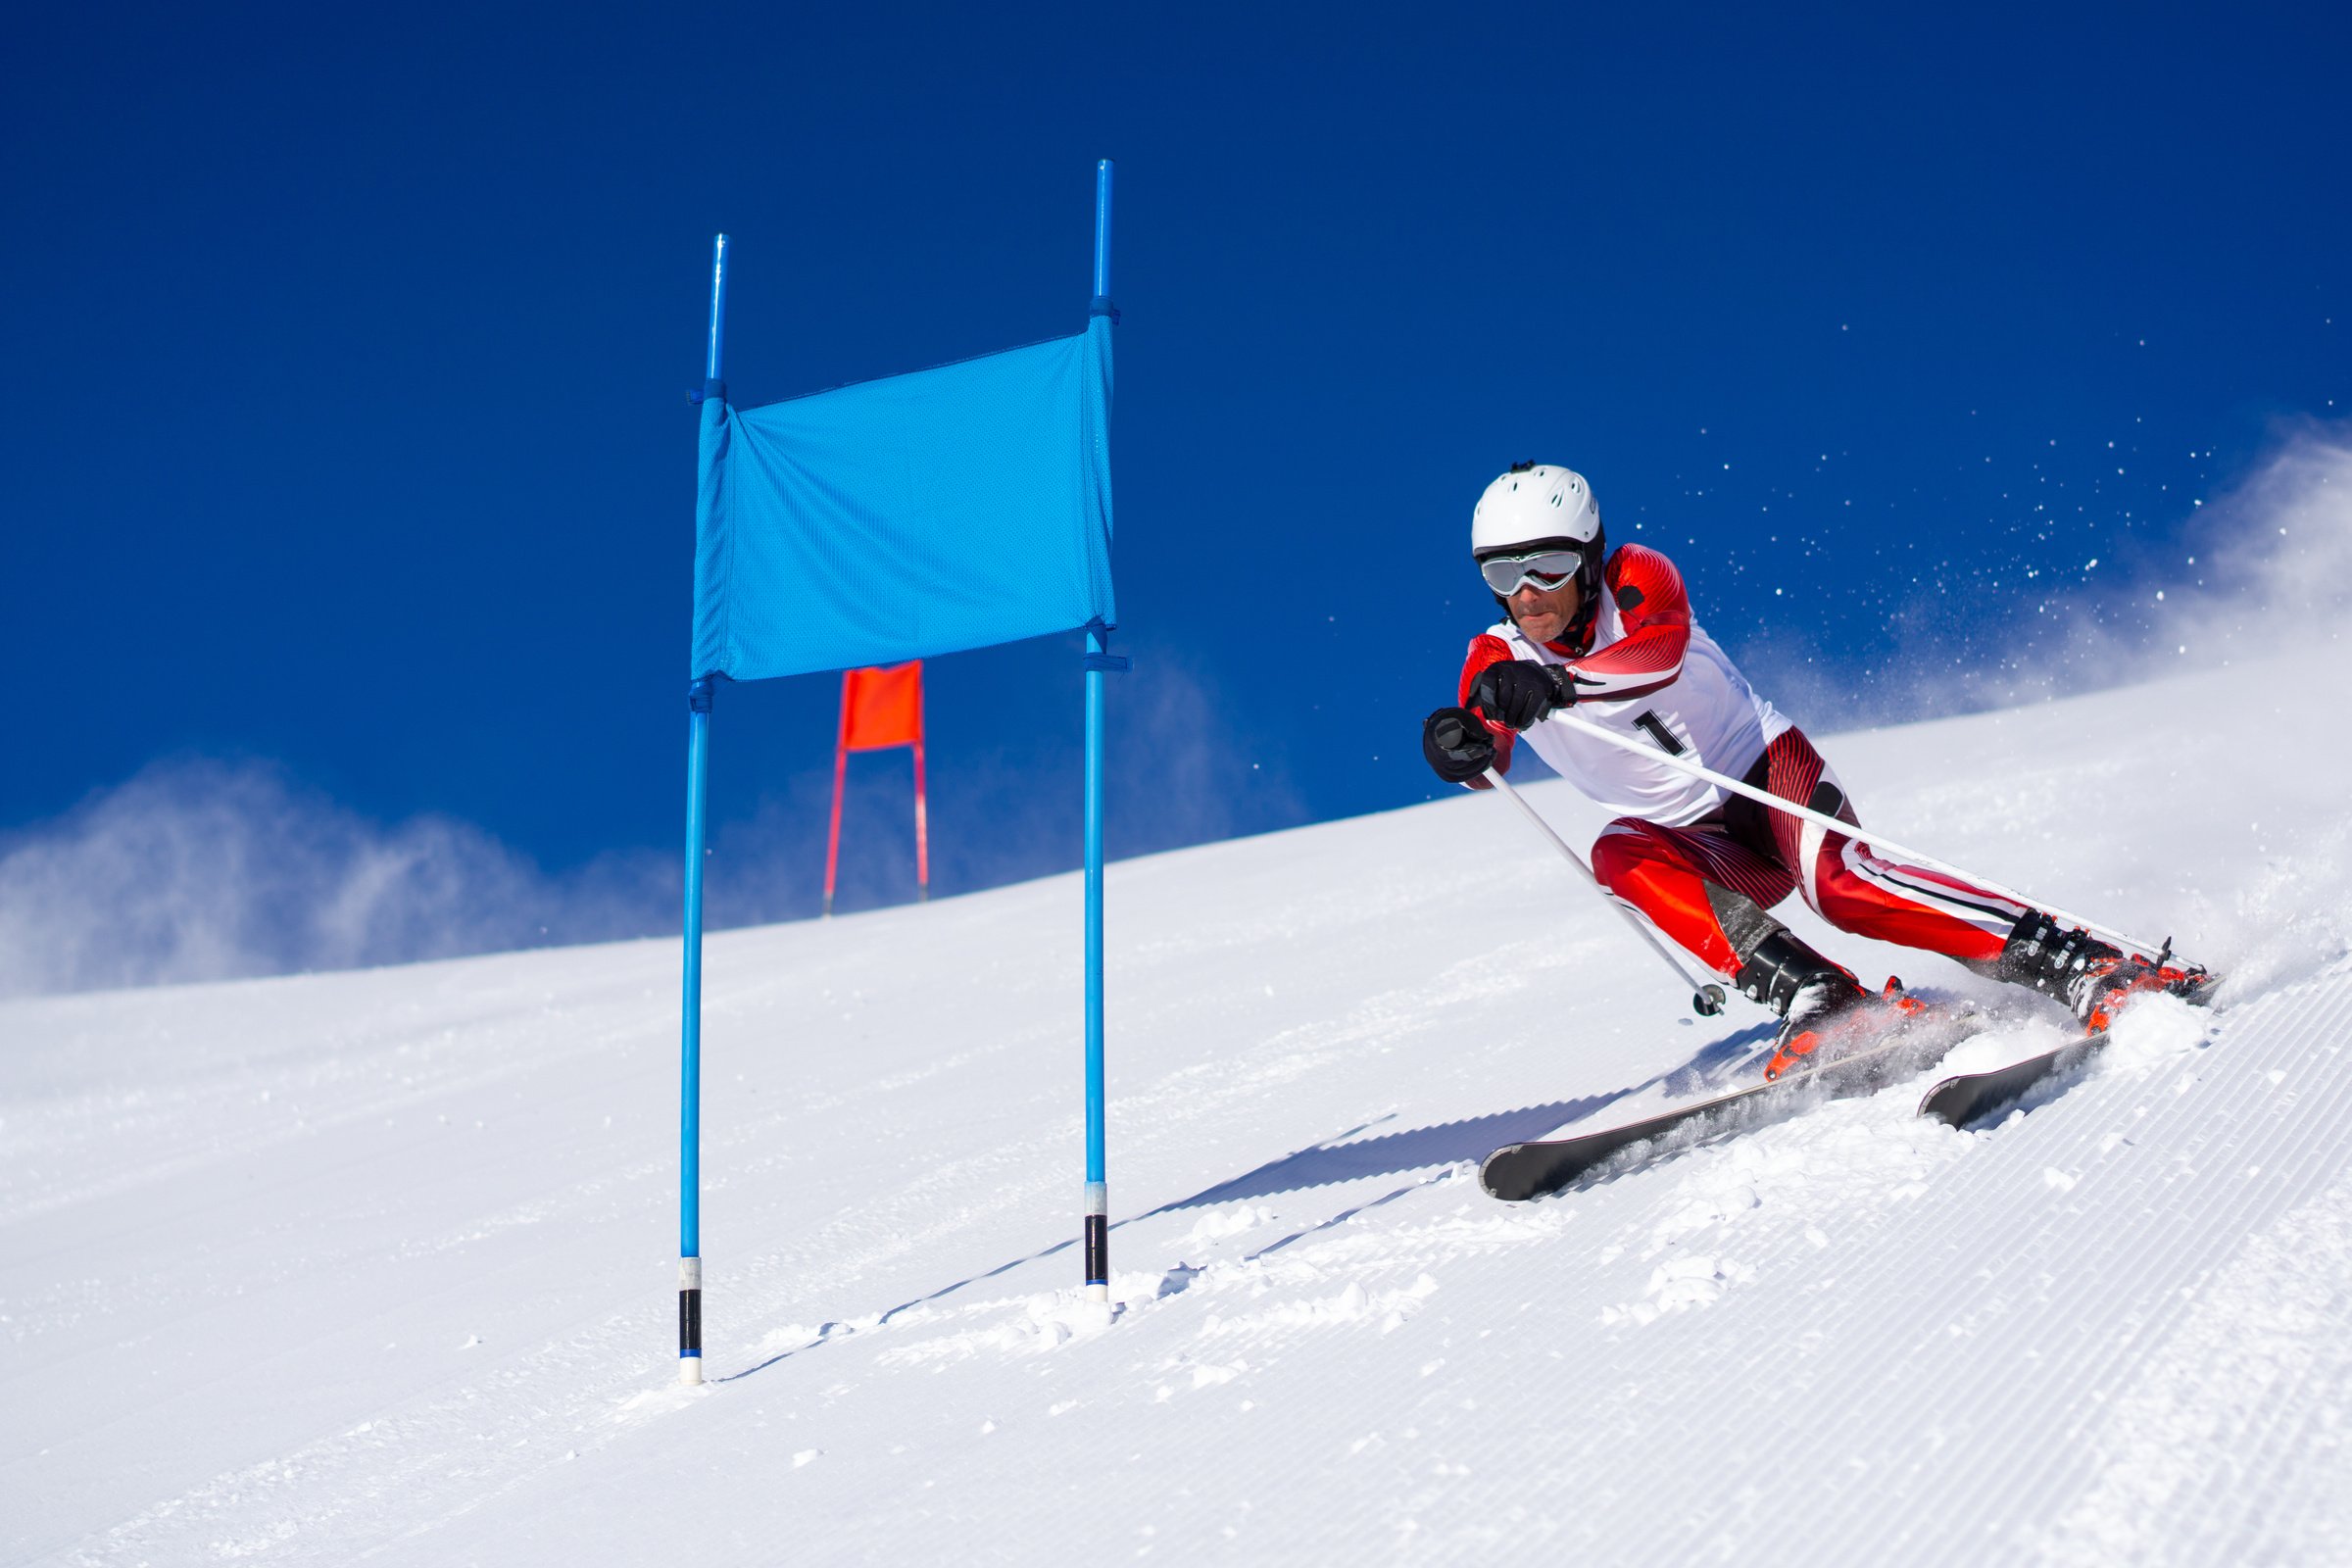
382 1266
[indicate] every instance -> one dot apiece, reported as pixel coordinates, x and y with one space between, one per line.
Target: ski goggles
1545 568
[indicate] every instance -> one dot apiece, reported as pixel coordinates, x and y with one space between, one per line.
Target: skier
1610 635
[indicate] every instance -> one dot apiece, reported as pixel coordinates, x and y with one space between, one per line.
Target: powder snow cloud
2265 569
198 870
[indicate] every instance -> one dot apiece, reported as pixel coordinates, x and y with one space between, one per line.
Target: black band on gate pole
1098 1249
690 1320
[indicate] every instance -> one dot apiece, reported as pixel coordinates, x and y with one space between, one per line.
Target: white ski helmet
1537 505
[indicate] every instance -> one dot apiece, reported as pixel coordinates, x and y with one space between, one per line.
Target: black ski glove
1457 745
1519 694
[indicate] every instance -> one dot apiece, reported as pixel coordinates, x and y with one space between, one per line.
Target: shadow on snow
1349 1156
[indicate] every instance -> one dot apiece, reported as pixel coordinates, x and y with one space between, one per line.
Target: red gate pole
922 832
841 770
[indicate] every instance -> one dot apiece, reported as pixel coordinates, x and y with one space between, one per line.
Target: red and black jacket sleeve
1656 615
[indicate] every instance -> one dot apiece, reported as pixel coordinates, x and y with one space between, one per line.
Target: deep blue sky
345 353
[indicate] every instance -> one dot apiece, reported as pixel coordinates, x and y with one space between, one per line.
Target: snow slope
380 1266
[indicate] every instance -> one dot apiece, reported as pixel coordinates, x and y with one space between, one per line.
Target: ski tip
1957 1102
1494 1175
1938 1101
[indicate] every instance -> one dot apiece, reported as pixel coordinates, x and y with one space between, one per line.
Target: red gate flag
882 707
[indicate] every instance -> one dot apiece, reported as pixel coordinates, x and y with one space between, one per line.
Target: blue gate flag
902 518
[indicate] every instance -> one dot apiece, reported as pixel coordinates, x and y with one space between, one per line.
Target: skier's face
1543 614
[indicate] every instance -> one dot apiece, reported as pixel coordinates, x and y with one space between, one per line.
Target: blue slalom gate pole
690 1028
1099 664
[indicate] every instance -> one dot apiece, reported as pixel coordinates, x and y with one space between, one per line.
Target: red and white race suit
1700 865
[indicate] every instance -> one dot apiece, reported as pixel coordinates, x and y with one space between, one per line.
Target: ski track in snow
376 1267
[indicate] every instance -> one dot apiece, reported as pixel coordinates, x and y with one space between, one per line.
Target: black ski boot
2091 979
1804 987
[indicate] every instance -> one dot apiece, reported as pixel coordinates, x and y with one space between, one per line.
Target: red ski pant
1706 885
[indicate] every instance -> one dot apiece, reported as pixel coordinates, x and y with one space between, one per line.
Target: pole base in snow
690 1371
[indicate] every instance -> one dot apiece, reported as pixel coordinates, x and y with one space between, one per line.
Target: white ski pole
1876 841
1706 996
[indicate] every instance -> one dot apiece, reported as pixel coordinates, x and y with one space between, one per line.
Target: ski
1519 1171
1970 1096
